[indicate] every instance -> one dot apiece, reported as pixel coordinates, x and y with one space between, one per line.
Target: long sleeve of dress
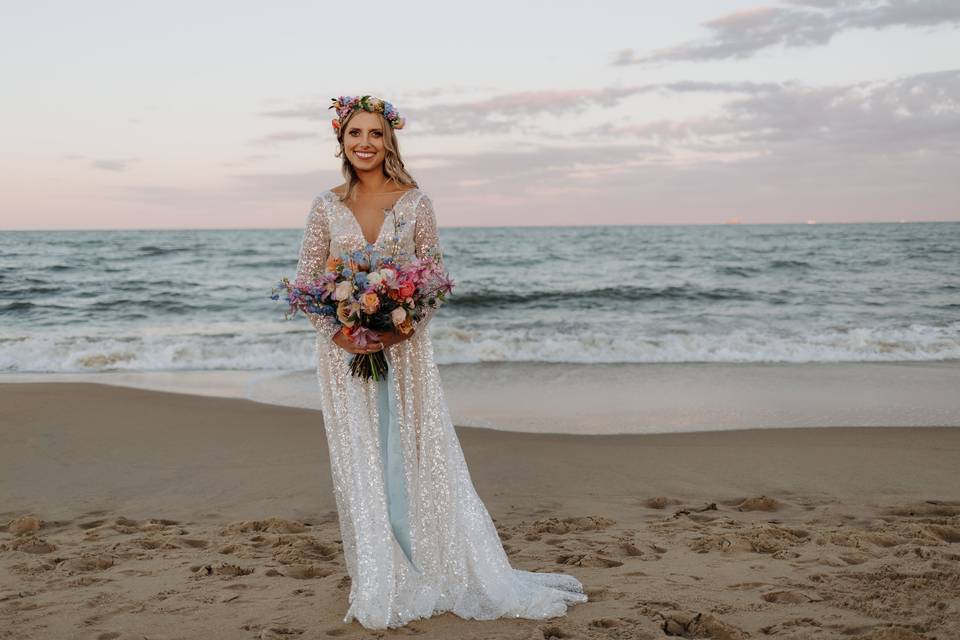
313 259
426 242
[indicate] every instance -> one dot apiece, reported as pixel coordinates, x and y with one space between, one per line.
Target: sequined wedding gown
417 539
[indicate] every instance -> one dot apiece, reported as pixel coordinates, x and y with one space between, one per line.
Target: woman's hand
392 337
345 343
384 340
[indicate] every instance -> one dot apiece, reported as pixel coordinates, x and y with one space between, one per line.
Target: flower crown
345 105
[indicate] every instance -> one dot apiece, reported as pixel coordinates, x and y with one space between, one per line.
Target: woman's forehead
366 120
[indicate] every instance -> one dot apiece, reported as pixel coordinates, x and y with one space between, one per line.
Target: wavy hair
393 168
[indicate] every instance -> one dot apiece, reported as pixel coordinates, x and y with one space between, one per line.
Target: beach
698 333
136 513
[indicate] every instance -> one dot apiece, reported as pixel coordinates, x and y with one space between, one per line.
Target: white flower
388 275
343 290
398 315
374 278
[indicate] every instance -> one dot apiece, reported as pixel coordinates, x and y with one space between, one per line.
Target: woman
417 539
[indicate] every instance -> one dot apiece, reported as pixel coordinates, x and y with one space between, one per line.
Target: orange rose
406 289
370 302
333 262
345 311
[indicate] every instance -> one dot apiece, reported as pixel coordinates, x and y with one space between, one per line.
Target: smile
363 154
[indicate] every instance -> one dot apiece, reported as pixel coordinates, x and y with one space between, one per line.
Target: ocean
100 301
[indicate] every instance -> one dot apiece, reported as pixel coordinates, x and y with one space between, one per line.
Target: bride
417 539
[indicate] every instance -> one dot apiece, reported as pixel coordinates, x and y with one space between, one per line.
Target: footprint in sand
271 525
790 626
560 526
86 563
305 571
272 633
556 632
700 625
925 509
588 560
746 586
759 503
789 597
224 569
22 525
29 544
195 543
771 538
605 623
945 533
658 502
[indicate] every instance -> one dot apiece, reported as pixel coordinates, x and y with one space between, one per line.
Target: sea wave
485 298
292 349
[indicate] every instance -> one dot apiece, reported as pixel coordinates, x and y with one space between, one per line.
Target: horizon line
515 226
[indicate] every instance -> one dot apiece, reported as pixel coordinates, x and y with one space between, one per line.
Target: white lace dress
417 539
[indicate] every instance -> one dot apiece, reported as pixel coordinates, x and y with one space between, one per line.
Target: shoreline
130 512
619 398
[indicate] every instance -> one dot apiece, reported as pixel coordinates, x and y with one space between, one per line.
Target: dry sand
127 513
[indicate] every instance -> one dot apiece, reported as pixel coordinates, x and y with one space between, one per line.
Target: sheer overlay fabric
417 539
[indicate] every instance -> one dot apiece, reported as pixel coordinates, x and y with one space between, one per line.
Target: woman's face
363 141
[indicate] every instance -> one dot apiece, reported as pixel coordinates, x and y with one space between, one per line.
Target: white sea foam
262 346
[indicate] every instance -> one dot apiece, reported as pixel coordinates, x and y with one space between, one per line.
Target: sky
209 114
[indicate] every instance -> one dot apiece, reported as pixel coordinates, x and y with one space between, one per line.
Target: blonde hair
393 167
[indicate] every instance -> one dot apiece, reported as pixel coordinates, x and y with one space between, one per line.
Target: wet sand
623 397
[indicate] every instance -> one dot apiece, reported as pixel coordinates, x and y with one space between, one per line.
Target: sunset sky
209 114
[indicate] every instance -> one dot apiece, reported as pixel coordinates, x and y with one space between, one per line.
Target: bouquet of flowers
366 292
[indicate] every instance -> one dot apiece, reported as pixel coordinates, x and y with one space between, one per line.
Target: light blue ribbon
391 456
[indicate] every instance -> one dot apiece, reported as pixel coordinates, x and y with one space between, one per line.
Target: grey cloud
779 152
285 136
104 164
772 152
246 188
303 112
117 165
801 23
914 113
505 112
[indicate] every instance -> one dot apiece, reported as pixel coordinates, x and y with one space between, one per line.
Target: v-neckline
356 222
